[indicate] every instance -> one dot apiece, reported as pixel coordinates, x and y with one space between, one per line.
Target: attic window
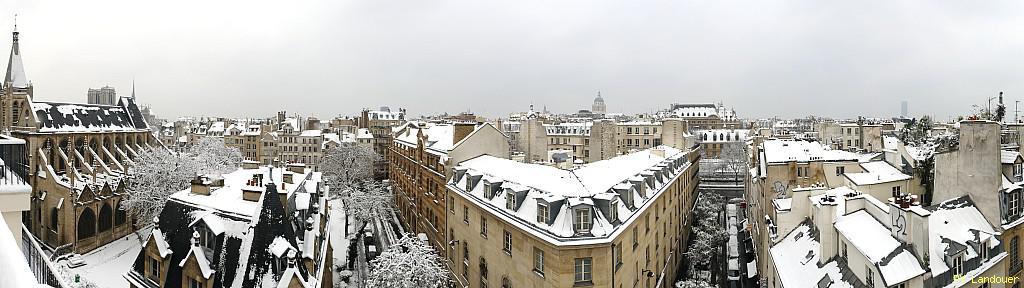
510 201
958 265
613 210
542 213
487 190
583 221
983 248
207 238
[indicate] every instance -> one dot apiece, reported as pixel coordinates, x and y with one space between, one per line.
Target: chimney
297 168
658 152
462 130
249 164
201 185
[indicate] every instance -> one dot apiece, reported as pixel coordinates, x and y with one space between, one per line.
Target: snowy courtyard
105 265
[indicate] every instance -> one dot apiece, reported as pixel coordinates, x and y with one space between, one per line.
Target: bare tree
409 263
734 159
156 174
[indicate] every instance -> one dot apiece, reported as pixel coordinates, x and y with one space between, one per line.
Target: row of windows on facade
304 140
582 272
583 267
582 215
721 136
303 148
636 142
636 131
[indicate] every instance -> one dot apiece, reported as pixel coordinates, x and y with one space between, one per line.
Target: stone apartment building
618 222
420 160
77 156
102 96
865 137
705 116
379 124
256 142
259 226
782 166
567 142
300 146
979 169
638 135
840 237
714 141
593 140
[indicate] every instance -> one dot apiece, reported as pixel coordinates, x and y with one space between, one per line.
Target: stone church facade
77 156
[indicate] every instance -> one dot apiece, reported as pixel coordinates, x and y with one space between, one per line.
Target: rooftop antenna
15 22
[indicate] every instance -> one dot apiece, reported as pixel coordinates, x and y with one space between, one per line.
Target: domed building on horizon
598 108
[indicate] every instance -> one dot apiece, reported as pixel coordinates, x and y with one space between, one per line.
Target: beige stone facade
491 248
419 170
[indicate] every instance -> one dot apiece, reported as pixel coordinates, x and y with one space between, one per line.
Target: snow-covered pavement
338 232
105 265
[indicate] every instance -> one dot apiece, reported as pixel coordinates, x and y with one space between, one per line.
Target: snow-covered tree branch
691 283
707 234
347 167
156 174
368 200
409 263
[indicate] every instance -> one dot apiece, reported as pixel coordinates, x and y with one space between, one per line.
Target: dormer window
542 213
583 220
1018 172
958 265
510 201
154 269
207 238
984 250
487 190
613 210
1014 203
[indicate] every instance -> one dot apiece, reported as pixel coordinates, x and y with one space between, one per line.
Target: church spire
15 77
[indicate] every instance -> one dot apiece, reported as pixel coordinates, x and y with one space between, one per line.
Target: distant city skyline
326 58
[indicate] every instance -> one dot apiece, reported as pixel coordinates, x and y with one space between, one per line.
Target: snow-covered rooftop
228 198
1009 157
895 263
616 189
796 261
569 129
440 137
67 117
311 133
784 150
876 172
957 221
364 133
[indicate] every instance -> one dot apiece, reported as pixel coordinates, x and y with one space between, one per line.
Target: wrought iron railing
44 270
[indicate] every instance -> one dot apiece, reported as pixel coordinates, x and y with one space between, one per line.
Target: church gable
87 195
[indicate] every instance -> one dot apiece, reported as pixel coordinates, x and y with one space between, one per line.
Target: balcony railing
40 265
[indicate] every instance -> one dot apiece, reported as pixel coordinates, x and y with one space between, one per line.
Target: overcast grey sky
325 58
